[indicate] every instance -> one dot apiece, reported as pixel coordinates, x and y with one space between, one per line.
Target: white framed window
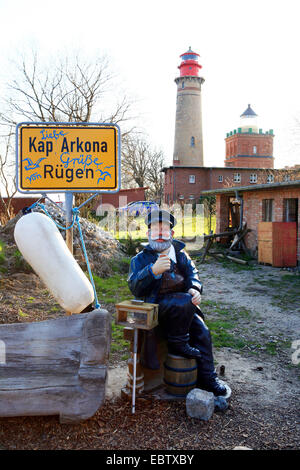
270 179
253 178
237 177
192 179
220 179
254 149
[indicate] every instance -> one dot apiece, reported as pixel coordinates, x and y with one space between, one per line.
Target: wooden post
69 218
127 391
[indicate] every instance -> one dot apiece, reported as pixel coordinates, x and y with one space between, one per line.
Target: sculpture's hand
196 296
162 264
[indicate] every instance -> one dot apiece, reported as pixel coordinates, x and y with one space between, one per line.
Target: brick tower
248 146
188 144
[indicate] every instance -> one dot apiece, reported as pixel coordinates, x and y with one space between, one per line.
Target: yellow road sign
61 157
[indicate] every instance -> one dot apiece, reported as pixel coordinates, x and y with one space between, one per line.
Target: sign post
69 217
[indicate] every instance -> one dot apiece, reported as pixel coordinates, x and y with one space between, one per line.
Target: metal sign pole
69 217
134 368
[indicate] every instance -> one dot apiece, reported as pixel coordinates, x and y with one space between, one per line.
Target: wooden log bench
55 367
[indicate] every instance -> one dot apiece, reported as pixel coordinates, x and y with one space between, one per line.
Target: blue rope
76 213
57 224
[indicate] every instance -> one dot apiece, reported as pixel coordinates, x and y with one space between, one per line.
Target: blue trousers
177 316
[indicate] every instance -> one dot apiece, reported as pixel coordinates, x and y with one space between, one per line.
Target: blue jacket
145 285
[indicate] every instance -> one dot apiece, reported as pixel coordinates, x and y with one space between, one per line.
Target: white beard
160 246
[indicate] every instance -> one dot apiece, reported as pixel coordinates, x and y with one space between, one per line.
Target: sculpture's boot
207 378
212 384
179 346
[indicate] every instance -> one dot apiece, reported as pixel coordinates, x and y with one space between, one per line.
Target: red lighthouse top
189 64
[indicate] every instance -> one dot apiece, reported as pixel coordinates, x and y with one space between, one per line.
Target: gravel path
264 407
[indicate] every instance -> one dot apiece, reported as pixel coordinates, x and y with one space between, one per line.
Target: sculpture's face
160 236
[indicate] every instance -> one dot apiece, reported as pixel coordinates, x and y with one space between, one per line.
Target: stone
242 448
200 404
220 404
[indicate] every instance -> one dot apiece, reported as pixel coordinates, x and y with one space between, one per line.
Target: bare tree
155 178
7 181
69 91
142 165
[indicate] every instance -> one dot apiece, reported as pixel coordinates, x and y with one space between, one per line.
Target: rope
56 223
75 211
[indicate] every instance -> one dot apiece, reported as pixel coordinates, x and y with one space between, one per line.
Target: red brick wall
205 178
253 211
177 183
250 162
239 150
222 212
123 197
18 203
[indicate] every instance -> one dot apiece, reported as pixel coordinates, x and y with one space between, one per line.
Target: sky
249 52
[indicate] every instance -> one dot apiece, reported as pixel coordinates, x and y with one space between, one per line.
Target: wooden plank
206 249
284 244
55 366
237 260
220 235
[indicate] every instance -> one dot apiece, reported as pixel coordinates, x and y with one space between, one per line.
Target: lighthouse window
192 179
254 149
189 57
192 141
182 85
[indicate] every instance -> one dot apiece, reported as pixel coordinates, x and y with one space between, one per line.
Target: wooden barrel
180 375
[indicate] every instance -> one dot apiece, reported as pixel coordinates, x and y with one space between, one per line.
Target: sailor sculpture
164 274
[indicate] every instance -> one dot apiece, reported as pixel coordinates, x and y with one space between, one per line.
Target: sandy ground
261 380
262 307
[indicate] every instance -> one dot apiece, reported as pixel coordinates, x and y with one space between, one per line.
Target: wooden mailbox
133 314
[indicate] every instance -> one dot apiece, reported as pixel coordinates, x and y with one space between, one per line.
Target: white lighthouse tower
188 145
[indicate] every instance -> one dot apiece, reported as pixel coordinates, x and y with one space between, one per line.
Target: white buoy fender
43 247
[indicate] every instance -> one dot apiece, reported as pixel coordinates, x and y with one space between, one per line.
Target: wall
252 211
18 203
177 180
240 153
123 197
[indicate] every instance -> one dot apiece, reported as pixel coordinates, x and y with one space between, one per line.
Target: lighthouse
188 143
248 146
